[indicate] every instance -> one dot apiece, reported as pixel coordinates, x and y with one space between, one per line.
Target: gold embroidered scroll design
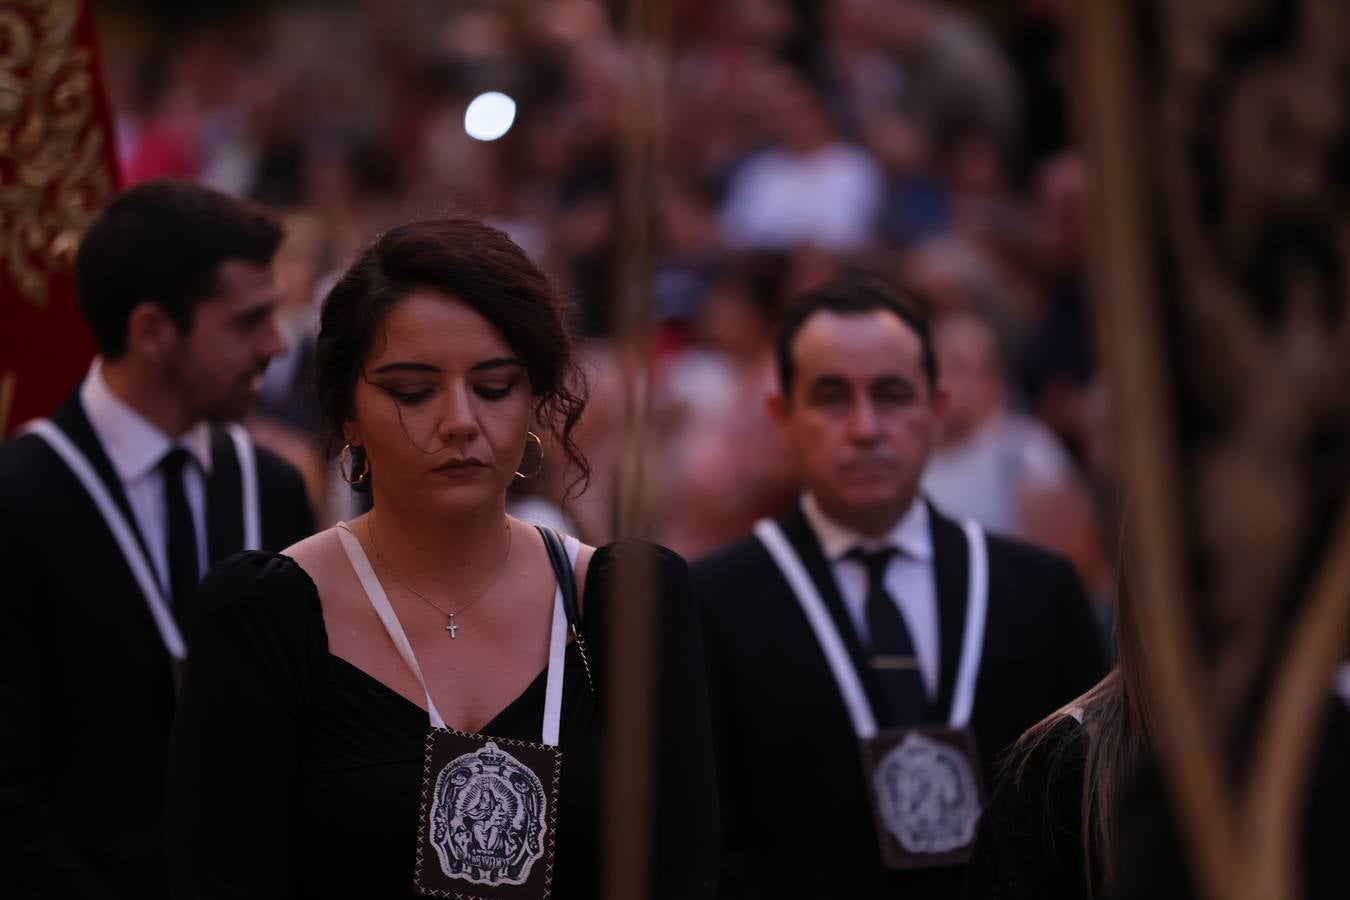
54 166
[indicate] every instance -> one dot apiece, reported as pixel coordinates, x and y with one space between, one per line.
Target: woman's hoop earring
539 468
345 459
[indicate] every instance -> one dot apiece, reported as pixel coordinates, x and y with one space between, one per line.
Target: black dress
1030 844
295 774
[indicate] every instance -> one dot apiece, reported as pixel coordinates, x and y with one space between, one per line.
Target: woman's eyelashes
408 397
493 391
414 396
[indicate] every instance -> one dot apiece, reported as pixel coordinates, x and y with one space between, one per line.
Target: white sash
557 651
836 652
248 478
123 533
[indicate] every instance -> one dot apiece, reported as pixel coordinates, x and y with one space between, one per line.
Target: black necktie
184 570
895 666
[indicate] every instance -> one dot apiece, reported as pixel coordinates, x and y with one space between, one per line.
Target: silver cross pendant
451 627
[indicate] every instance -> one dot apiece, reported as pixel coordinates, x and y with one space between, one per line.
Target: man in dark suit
859 407
177 286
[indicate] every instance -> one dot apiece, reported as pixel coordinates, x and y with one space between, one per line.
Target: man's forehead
866 345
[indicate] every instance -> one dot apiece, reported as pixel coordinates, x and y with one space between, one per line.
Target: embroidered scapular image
927 795
488 818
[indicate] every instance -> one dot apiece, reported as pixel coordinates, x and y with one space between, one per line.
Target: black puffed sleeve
257 646
686 833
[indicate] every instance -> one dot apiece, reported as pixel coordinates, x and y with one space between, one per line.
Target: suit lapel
804 541
224 508
951 573
73 421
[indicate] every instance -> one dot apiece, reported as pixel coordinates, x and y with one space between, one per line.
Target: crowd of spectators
923 141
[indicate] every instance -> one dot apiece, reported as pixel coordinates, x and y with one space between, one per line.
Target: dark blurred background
928 142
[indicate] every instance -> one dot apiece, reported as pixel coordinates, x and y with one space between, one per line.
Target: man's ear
151 334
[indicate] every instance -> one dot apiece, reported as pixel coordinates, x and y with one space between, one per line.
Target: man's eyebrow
406 367
892 379
829 379
496 363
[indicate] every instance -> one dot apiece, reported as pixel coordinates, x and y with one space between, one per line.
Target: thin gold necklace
451 628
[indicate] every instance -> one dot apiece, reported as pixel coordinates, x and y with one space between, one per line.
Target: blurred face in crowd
216 367
860 416
788 109
972 378
768 24
730 323
442 408
1059 211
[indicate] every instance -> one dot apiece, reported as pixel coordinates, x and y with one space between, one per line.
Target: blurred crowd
927 142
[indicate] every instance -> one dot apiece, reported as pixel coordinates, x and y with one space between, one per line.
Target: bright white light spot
489 116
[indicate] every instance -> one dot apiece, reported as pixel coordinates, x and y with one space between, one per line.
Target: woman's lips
461 468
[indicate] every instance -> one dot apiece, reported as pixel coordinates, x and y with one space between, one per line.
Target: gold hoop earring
539 468
345 459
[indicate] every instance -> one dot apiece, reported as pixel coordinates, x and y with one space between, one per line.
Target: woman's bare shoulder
322 556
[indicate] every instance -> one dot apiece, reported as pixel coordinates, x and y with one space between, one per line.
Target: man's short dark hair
163 242
853 295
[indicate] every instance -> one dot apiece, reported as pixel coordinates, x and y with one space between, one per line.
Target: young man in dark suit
110 512
859 406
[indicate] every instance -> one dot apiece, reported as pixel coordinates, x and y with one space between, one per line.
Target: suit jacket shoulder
1043 646
740 560
272 468
739 591
27 466
1043 586
1036 561
286 511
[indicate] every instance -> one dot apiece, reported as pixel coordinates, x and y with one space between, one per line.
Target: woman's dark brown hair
1115 734
475 264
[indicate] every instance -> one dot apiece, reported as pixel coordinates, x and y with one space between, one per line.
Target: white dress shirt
909 577
135 448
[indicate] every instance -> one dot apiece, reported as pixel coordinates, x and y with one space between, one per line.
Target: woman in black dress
320 678
1049 831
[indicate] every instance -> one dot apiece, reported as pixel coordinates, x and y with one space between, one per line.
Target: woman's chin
466 495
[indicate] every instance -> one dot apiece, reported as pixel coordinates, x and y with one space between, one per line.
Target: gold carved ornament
55 169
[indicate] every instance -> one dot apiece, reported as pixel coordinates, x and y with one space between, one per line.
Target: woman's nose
457 420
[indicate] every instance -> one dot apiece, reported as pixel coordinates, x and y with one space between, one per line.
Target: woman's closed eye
494 390
408 396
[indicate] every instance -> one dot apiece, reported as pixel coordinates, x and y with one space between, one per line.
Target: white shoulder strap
380 602
827 636
557 655
832 644
80 466
977 612
248 474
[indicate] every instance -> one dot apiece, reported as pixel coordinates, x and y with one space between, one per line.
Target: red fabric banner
57 167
